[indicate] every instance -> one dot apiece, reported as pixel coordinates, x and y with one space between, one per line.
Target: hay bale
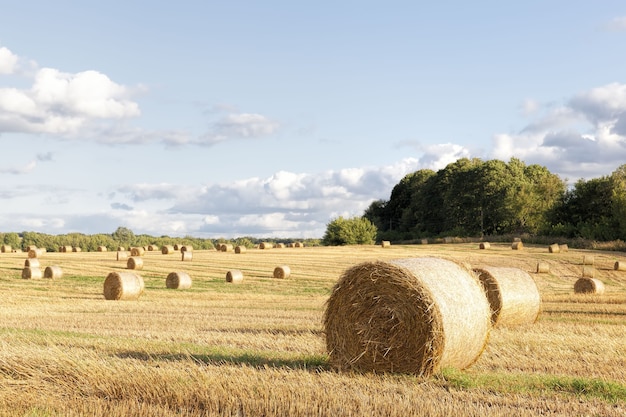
123 286
53 272
414 316
282 271
543 268
134 262
240 249
588 286
77 249
512 294
186 248
554 248
31 263
484 245
177 247
563 247
5 249
137 251
35 253
31 273
424 241
280 246
226 247
102 249
122 255
619 266
589 271
178 280
265 245
385 244
121 249
517 245
153 247
235 276
186 256
30 247
167 249
588 260
298 245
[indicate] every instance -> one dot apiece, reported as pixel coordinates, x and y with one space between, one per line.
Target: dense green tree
352 231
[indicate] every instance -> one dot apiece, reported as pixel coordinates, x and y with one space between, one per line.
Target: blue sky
269 119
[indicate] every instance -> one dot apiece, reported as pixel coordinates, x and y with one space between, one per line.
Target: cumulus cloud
8 61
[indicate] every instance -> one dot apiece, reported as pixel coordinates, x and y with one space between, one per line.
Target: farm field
257 348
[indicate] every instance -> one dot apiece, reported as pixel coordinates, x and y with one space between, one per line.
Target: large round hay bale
167 249
30 247
589 271
512 294
186 248
35 253
102 249
517 245
415 315
123 286
554 248
134 262
619 266
122 255
484 245
282 271
153 247
121 249
31 263
563 247
543 267
77 249
234 276
226 247
137 251
186 256
240 249
265 245
53 272
31 273
178 280
588 260
385 244
588 286
5 249
298 245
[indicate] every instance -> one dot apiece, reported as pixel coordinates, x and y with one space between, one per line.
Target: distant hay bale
186 248
265 245
35 253
290 244
517 239
226 247
589 271
102 249
121 248
298 245
137 251
123 286
554 248
31 273
177 246
415 315
517 245
53 272
588 260
484 245
153 247
280 246
134 262
167 249
77 249
234 276
240 249
619 266
385 244
282 271
424 241
5 249
563 247
122 255
30 247
543 267
512 294
589 286
31 263
178 280
186 256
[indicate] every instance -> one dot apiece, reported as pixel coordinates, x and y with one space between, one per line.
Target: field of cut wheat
257 347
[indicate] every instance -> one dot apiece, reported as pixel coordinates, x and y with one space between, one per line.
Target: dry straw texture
226 247
121 248
31 273
588 260
280 246
186 256
123 286
512 294
265 245
543 267
137 251
5 249
413 315
122 255
178 280
35 253
30 247
186 248
517 245
563 247
167 249
589 271
385 244
619 266
77 249
298 245
240 249
554 248
282 271
153 247
589 286
53 272
235 276
102 248
32 263
484 245
134 262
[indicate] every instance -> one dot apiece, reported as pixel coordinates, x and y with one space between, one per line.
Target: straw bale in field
280 246
282 271
153 247
186 256
589 271
240 249
424 241
102 249
512 294
298 245
35 253
123 286
31 263
5 249
122 255
385 244
186 248
226 247
517 245
134 262
543 267
167 249
414 315
235 276
77 249
620 266
554 248
178 280
31 273
30 247
265 245
53 272
121 249
517 239
588 286
484 245
588 260
137 251
563 247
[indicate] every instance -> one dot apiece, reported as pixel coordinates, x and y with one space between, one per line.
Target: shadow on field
313 363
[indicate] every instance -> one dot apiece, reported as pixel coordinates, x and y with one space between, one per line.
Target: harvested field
258 348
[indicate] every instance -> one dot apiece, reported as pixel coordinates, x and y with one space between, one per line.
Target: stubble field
258 349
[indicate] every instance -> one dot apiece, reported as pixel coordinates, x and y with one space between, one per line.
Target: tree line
476 198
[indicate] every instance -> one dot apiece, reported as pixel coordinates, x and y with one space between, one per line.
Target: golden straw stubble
123 286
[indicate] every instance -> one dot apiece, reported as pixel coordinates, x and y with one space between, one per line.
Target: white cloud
239 126
437 157
19 170
8 61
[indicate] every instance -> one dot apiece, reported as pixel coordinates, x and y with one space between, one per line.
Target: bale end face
588 286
